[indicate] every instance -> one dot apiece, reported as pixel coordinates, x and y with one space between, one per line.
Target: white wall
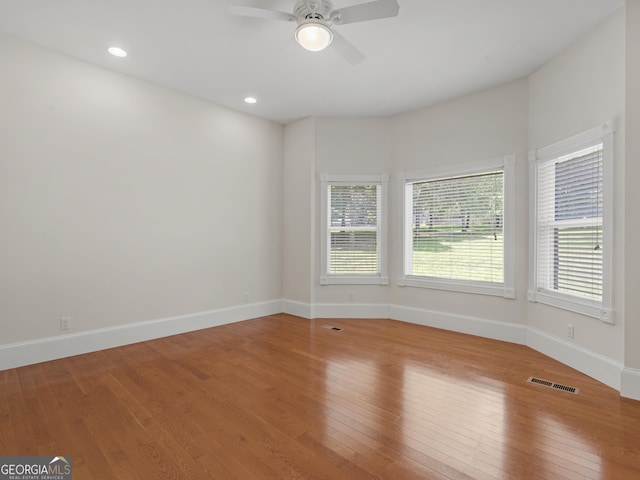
632 200
475 128
578 90
299 214
124 202
350 146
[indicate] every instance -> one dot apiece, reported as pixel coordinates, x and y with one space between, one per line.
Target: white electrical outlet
245 296
65 323
351 296
570 330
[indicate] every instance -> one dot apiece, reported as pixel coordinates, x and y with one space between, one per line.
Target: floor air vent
557 386
331 327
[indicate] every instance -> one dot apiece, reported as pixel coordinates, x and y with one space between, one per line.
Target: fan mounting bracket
313 9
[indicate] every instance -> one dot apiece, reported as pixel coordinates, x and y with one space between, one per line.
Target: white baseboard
630 383
335 310
597 366
351 310
299 309
507 332
46 349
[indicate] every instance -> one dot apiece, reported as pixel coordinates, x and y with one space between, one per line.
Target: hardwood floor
283 398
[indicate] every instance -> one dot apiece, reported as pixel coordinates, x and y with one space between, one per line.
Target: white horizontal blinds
570 233
354 218
457 228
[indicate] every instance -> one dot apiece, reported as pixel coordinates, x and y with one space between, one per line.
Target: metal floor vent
557 386
331 327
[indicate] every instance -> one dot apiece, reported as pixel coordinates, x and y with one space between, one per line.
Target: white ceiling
432 51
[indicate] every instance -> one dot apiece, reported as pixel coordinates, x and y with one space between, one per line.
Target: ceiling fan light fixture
314 36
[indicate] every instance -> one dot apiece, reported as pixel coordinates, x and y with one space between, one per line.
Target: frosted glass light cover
314 36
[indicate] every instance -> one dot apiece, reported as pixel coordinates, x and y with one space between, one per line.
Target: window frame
380 278
505 289
601 310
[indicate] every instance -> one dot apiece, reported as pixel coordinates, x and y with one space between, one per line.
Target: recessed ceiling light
250 100
117 52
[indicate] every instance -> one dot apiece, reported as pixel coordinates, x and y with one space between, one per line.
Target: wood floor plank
280 397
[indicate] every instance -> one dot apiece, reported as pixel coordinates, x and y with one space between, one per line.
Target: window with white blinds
352 230
572 234
454 232
570 198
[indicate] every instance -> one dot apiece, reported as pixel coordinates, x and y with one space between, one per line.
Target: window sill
572 304
480 288
354 280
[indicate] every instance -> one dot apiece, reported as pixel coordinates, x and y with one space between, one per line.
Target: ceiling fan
315 19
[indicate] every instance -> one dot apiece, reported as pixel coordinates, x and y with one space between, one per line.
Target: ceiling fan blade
365 12
247 11
350 53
